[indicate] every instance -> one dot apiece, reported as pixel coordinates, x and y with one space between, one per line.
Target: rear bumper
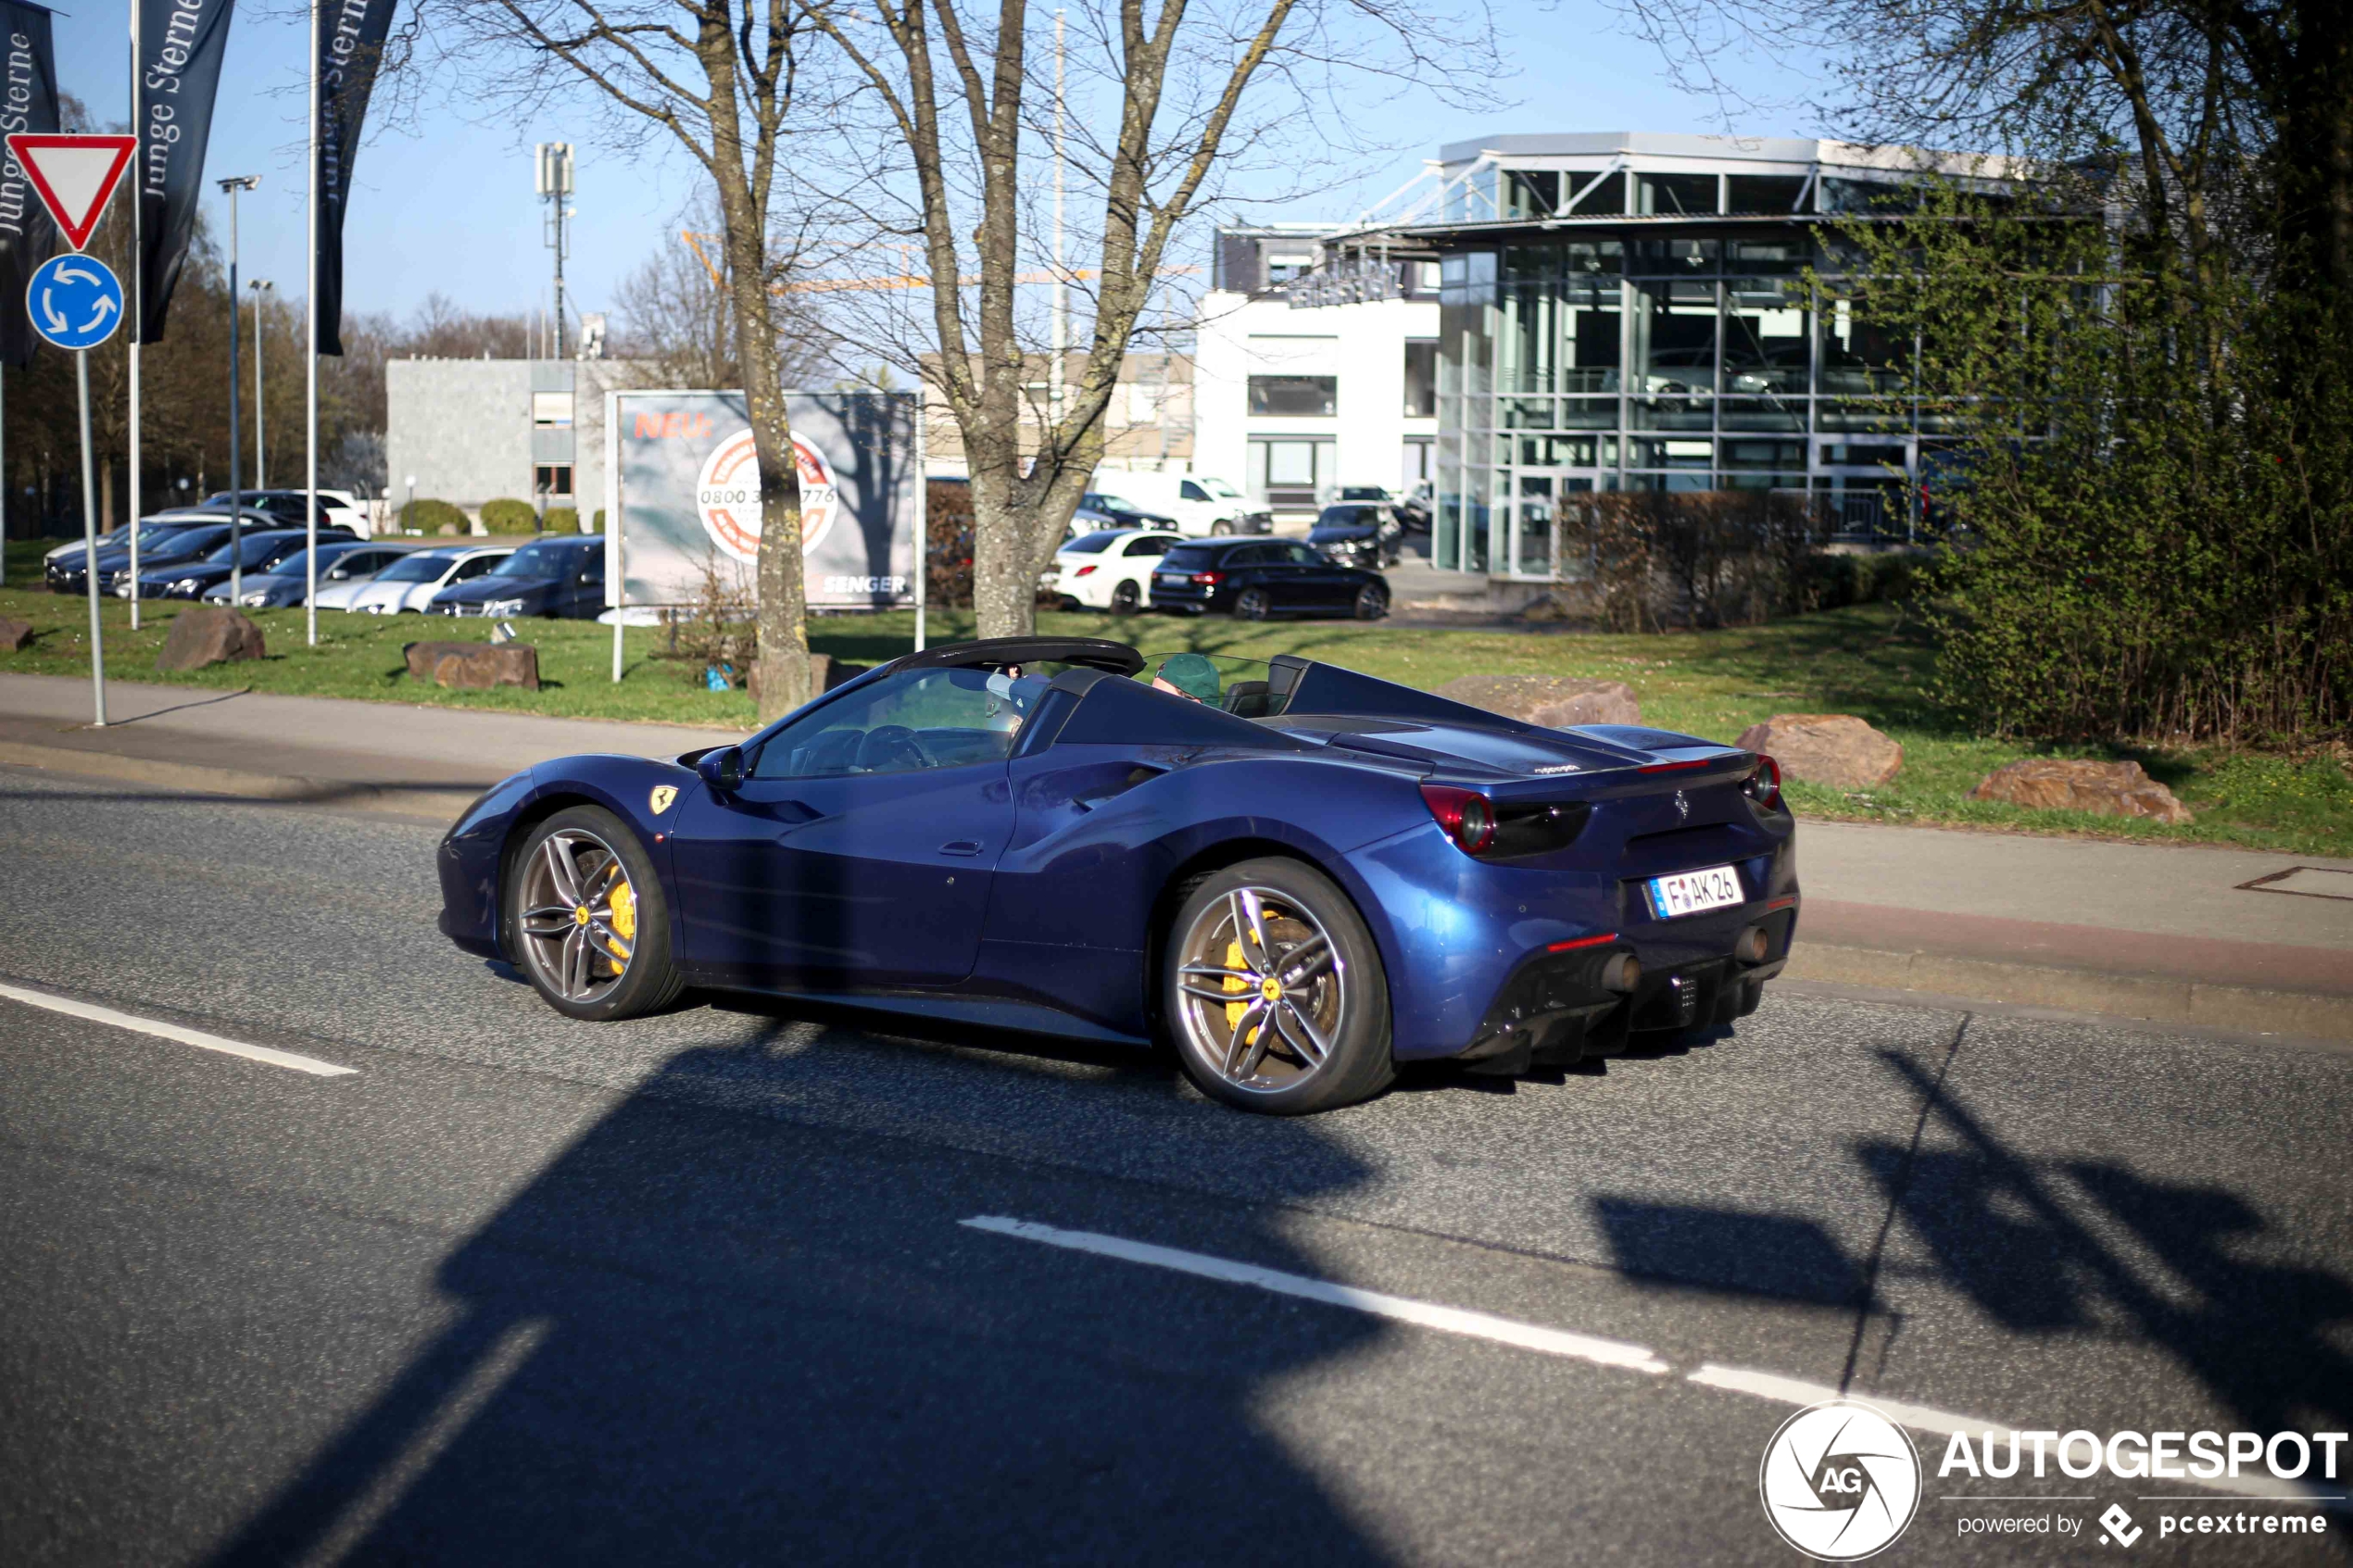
1556 1009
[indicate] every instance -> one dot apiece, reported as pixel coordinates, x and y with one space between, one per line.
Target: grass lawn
1864 660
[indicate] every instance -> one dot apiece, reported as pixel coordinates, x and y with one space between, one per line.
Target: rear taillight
1082 571
1465 815
1506 832
1764 783
1206 579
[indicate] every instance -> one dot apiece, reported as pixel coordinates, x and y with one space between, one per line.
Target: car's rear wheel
1251 604
1371 603
1126 600
1275 992
586 917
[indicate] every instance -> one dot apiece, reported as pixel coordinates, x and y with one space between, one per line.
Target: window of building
1675 194
1766 344
1606 194
1678 259
1294 396
1421 377
1867 195
552 479
1763 192
1287 471
550 410
1860 355
1281 270
1589 317
1530 193
1675 336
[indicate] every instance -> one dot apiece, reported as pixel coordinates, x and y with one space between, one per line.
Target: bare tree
722 80
962 102
678 318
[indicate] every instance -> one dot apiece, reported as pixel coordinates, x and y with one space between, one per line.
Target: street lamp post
234 184
259 286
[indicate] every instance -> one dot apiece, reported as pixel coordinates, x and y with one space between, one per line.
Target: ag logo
728 496
663 795
1840 1481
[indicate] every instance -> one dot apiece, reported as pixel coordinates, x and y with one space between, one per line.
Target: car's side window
1148 547
473 569
924 719
1256 555
1192 491
1304 555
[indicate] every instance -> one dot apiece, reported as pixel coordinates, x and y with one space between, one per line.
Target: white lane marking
1559 1342
161 1030
1790 1391
1447 1320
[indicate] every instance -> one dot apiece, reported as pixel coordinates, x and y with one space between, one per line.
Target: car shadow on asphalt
713 1336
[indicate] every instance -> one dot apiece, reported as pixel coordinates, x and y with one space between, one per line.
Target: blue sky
447 206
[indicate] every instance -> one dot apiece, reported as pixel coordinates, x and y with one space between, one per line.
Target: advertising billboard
685 490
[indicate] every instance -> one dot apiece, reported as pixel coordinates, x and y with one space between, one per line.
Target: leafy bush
507 515
432 517
564 519
1834 582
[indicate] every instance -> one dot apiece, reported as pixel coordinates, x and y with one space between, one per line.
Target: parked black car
1098 511
283 505
553 577
1256 578
1357 534
255 553
62 571
340 560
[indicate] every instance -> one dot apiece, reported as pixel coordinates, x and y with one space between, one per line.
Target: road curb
2241 1008
422 802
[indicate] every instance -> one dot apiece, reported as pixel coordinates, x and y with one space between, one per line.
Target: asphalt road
695 1289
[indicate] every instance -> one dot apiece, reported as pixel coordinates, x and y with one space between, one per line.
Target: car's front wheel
586 918
1275 992
1371 603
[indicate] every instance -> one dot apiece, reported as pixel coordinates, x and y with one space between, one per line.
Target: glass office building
1632 312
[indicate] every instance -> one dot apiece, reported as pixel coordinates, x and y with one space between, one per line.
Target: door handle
960 846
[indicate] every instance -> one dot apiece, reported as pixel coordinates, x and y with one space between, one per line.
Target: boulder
474 666
14 634
2107 789
208 634
1837 749
1554 701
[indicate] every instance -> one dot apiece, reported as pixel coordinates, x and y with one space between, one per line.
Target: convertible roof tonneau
1096 653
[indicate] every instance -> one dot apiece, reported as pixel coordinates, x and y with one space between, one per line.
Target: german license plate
1693 893
1170 579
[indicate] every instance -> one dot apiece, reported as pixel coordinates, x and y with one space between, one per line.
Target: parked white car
410 584
1200 504
1111 569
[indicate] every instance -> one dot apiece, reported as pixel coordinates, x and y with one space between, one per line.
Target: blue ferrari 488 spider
1296 876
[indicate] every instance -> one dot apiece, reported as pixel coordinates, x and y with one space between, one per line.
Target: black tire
1126 599
1346 1004
650 981
1253 604
1221 528
1372 602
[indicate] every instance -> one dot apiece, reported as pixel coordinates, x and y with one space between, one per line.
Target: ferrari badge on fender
663 795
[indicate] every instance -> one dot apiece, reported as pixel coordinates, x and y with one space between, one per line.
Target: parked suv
562 576
1256 578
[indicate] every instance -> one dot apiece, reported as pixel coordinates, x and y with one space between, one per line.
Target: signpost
76 303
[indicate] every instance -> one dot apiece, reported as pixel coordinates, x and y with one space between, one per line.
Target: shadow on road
708 1336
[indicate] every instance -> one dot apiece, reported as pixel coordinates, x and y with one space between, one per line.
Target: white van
1199 503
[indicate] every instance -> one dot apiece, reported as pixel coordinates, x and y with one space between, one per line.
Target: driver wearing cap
1190 676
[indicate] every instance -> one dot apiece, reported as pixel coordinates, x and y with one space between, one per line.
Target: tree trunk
784 594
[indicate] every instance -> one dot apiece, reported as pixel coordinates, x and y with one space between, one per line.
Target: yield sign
74 175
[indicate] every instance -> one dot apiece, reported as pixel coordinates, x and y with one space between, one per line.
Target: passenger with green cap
1189 675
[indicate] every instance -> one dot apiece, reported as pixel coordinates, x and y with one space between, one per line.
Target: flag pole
310 366
138 323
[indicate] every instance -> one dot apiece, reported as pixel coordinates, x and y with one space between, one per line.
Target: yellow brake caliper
1235 985
624 917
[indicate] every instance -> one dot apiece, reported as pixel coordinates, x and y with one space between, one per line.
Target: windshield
1362 493
423 568
1094 544
1220 489
1348 517
535 560
298 563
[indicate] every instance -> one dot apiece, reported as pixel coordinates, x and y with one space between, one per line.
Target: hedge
432 517
563 519
507 515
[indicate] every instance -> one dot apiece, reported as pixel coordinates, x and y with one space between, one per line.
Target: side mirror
722 769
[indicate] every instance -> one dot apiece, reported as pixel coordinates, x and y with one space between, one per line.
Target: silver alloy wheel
1263 990
579 920
1251 605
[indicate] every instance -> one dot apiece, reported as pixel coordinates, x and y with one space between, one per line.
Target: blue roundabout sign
75 301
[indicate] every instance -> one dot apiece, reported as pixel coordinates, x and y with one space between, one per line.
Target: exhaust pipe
1622 973
1751 946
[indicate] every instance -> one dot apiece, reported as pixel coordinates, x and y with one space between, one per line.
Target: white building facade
1291 399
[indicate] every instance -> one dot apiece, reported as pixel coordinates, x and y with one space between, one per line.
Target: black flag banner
28 237
180 44
350 53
